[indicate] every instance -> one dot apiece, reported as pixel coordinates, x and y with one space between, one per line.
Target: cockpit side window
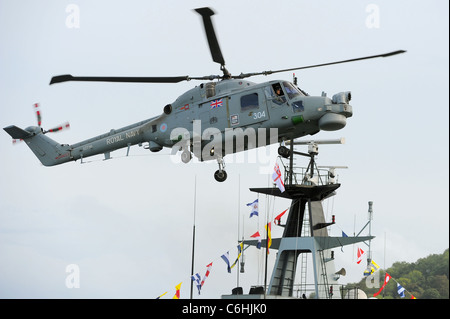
268 92
291 90
275 93
277 89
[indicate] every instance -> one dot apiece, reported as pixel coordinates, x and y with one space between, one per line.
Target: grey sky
127 223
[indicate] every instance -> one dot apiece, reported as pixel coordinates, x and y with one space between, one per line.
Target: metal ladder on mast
324 274
304 256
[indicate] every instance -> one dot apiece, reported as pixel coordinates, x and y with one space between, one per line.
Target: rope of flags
400 289
277 180
372 267
196 277
200 281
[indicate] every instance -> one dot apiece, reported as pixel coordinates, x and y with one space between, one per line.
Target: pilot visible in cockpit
279 95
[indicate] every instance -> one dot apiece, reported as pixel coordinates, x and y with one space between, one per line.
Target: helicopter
224 115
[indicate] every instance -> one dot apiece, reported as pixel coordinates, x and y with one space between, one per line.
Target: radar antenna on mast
313 150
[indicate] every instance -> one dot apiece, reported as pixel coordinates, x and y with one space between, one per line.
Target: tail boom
51 153
48 151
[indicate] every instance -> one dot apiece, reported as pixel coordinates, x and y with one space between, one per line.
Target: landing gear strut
220 175
186 156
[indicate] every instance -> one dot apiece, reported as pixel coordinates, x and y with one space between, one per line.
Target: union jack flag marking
216 103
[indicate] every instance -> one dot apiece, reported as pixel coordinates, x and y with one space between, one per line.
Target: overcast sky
127 223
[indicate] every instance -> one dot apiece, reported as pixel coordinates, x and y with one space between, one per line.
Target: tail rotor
15 141
38 114
59 128
64 126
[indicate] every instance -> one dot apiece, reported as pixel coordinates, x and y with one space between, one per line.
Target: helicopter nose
332 122
336 117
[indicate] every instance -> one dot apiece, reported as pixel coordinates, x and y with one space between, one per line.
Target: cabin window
249 102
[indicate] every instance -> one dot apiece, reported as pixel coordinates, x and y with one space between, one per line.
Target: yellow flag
177 292
374 266
269 236
161 295
371 268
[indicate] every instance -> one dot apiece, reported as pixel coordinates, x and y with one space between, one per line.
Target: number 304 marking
258 115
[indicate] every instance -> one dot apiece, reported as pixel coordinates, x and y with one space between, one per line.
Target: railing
301 176
308 291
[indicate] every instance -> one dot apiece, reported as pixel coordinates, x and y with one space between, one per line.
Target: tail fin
17 133
48 151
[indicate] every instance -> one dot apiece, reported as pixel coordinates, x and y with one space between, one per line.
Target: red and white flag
359 255
276 176
208 270
387 277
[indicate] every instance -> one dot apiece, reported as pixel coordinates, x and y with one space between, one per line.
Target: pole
267 252
265 263
370 211
193 235
291 161
384 253
239 217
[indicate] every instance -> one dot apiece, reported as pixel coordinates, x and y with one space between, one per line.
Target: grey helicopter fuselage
211 112
212 120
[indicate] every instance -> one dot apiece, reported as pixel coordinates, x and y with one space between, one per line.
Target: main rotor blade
216 53
385 55
68 77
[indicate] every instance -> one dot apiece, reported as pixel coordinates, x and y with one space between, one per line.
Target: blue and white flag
197 280
401 290
254 206
226 259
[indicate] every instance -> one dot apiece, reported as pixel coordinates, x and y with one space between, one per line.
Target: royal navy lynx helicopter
224 115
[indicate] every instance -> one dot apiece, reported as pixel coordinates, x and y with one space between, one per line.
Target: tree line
427 278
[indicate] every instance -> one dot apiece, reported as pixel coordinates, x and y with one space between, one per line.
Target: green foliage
427 278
